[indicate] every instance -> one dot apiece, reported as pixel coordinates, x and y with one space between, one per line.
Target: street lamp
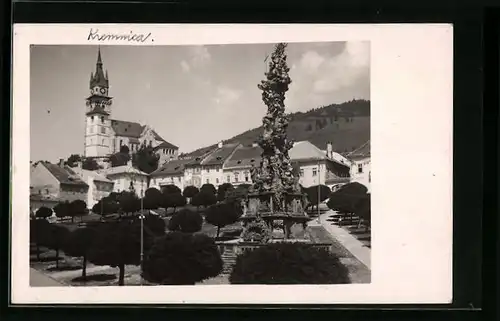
319 190
141 217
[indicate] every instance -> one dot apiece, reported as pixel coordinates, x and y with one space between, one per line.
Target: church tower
98 112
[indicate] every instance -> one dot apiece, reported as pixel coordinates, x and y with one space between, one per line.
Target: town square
130 202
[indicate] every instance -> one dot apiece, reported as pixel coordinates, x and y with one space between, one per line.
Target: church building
105 136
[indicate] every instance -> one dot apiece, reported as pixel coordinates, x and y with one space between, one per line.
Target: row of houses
233 163
226 163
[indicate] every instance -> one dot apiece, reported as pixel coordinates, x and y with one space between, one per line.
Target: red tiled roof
127 128
219 156
245 157
64 175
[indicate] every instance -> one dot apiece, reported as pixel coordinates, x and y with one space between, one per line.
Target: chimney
220 144
329 150
61 162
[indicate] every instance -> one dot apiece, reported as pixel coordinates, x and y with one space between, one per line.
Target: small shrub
179 258
289 263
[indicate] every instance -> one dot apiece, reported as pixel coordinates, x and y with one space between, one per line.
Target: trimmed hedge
289 263
179 258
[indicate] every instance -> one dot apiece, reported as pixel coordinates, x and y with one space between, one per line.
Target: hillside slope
346 125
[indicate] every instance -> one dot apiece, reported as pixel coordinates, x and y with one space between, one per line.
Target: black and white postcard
232 164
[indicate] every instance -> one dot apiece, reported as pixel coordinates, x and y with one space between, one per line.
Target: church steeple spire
99 60
99 79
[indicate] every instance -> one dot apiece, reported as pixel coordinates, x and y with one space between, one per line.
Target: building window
103 142
360 168
228 178
102 119
208 181
315 171
91 119
236 174
103 130
246 176
216 181
301 172
369 176
121 142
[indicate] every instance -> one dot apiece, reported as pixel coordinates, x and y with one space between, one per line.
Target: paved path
37 278
350 242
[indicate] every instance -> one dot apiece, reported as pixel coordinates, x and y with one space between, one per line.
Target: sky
193 96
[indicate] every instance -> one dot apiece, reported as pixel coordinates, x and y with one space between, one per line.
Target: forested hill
346 125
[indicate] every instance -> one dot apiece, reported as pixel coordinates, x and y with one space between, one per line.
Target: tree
174 200
39 231
56 238
221 192
317 194
119 159
190 191
170 189
43 212
354 188
124 149
203 199
129 202
346 199
146 160
152 198
90 164
73 159
78 244
182 259
77 208
222 214
106 206
116 243
289 263
362 208
186 221
154 227
62 209
208 188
